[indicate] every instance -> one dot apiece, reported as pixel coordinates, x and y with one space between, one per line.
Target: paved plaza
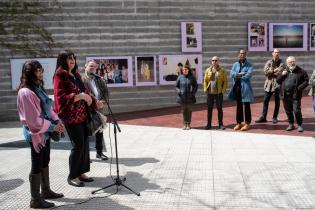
173 169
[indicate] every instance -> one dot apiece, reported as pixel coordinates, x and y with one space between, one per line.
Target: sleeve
225 82
248 74
233 73
205 81
178 85
312 78
63 100
195 86
267 69
305 79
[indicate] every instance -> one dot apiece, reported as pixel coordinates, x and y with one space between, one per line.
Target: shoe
221 127
208 127
274 120
184 126
49 194
261 120
188 126
89 179
101 156
290 127
300 129
75 184
238 126
246 127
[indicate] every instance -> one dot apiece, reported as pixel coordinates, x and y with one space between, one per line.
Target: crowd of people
75 96
284 80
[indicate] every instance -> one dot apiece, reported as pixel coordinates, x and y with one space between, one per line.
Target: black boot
37 202
46 191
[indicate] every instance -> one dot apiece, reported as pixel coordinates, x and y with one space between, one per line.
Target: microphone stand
117 181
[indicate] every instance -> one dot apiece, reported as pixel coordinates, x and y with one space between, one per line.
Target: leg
78 157
99 142
277 103
239 111
189 114
35 178
288 107
219 102
248 114
297 112
314 104
266 105
210 101
184 112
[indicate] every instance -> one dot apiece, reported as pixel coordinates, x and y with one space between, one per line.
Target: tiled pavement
174 169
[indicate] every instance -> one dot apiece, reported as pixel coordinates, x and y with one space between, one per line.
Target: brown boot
47 193
237 126
37 202
246 127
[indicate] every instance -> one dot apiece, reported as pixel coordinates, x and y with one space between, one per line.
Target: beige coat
271 72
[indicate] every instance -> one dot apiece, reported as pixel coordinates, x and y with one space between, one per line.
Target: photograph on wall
191 36
170 67
288 36
312 36
257 36
48 64
145 70
117 71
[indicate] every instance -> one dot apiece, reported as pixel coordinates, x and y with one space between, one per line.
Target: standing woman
71 104
186 88
38 119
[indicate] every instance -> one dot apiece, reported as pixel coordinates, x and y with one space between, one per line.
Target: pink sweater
29 109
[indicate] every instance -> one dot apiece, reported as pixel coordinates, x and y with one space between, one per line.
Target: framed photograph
117 71
49 65
312 36
169 67
145 70
257 36
288 36
191 37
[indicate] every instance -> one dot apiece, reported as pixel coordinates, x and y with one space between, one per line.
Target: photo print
257 36
170 69
288 36
191 36
145 70
117 71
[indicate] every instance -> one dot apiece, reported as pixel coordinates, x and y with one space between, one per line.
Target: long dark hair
28 78
62 61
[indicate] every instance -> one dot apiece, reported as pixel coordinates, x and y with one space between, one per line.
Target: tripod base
117 182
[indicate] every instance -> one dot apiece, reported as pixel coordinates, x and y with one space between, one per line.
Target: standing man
293 81
272 69
215 84
242 91
98 88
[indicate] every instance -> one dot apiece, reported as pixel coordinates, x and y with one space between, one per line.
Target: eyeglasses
214 60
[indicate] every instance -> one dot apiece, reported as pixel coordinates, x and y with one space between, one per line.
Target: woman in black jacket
186 88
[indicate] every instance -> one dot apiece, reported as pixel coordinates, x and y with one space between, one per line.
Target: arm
178 85
304 84
225 82
248 74
205 81
233 72
268 69
312 79
195 86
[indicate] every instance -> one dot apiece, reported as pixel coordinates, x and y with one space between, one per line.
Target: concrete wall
152 27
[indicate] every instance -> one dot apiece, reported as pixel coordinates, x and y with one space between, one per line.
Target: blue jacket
186 88
246 87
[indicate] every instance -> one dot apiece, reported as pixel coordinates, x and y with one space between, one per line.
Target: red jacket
65 90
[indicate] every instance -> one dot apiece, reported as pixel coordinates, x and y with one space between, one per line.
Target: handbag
96 122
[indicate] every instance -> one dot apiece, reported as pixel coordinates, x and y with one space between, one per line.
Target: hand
59 128
100 104
87 98
284 72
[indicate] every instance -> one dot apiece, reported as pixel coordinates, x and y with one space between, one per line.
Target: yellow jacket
222 80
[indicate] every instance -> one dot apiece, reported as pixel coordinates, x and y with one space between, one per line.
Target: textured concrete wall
152 27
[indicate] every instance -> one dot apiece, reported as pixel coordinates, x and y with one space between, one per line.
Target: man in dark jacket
98 88
293 81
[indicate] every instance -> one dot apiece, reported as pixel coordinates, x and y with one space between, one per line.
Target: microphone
95 75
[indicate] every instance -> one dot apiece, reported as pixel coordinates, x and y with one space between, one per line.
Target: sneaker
221 127
208 127
300 129
290 127
274 120
184 126
246 127
261 120
238 126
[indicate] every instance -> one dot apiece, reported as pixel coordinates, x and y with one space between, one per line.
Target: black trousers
292 109
40 160
267 97
79 159
99 142
218 99
240 111
187 112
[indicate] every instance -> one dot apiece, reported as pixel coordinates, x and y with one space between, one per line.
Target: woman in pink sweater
38 120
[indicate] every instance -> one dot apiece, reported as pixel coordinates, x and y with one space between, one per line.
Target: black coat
301 82
186 88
